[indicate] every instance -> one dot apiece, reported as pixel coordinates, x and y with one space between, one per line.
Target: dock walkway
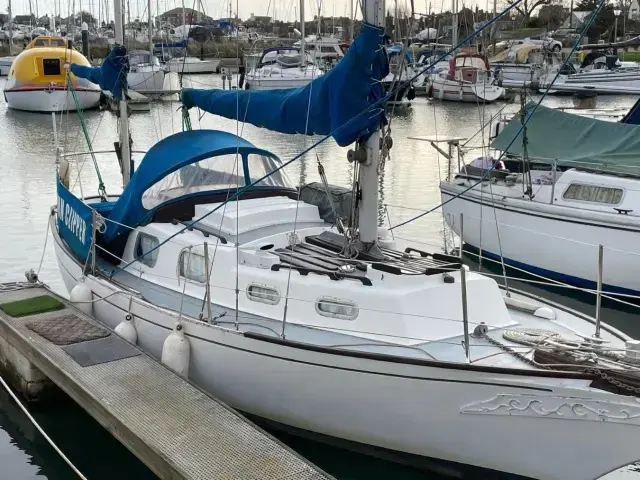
173 427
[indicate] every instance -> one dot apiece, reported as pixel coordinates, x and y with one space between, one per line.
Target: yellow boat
37 79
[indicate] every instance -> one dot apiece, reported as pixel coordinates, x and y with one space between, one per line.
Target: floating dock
173 427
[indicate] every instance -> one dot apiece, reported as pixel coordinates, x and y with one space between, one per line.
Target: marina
391 286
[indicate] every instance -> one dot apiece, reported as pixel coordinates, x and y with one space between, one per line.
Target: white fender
127 330
82 297
176 351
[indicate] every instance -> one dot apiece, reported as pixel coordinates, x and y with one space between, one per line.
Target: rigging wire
368 110
522 126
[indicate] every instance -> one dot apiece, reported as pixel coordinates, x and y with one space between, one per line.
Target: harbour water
27 170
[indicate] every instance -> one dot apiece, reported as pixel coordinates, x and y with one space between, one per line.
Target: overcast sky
281 9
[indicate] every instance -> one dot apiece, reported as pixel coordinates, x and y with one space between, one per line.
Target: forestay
573 140
342 102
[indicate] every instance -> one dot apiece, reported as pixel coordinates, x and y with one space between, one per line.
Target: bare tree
526 7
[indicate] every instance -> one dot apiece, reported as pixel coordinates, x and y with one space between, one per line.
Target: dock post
465 317
461 233
208 279
599 289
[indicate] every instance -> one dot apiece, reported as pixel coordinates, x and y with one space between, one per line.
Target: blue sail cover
345 94
111 75
165 157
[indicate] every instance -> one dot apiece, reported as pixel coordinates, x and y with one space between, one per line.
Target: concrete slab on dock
173 427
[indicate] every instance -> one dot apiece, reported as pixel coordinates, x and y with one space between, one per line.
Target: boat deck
176 429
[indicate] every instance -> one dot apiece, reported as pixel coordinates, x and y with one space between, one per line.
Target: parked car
547 42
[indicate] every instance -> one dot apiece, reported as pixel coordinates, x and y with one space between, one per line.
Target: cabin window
337 308
51 66
58 42
40 42
222 172
261 165
327 49
145 246
192 267
263 293
593 193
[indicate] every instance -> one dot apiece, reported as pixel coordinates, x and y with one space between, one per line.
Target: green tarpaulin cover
573 140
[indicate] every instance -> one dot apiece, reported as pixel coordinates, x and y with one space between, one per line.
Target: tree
602 24
526 7
551 16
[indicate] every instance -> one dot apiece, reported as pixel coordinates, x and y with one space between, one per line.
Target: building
174 17
263 20
577 19
25 19
634 10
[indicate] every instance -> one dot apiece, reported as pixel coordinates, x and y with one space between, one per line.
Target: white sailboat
284 67
146 75
402 353
551 218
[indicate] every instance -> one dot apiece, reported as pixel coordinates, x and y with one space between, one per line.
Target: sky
285 10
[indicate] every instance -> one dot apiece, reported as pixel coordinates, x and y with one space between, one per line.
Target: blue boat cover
167 156
111 75
340 102
75 221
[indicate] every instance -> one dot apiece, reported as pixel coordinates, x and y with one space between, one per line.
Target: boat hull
455 91
453 413
204 66
147 79
552 245
258 83
44 99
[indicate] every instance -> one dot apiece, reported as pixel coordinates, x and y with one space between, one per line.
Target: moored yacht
327 327
468 79
146 74
549 208
282 67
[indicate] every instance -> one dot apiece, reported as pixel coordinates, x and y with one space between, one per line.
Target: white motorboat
193 65
468 79
521 65
146 74
282 67
324 48
346 337
552 219
598 73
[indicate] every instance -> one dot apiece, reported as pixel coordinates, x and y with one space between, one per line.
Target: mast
352 20
10 30
454 23
373 12
150 28
304 61
125 149
184 20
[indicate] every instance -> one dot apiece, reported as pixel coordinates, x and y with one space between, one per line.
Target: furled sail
573 140
111 75
340 103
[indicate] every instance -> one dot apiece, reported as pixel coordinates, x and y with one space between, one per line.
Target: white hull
473 416
51 100
456 91
273 83
608 81
517 75
551 240
146 79
193 66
